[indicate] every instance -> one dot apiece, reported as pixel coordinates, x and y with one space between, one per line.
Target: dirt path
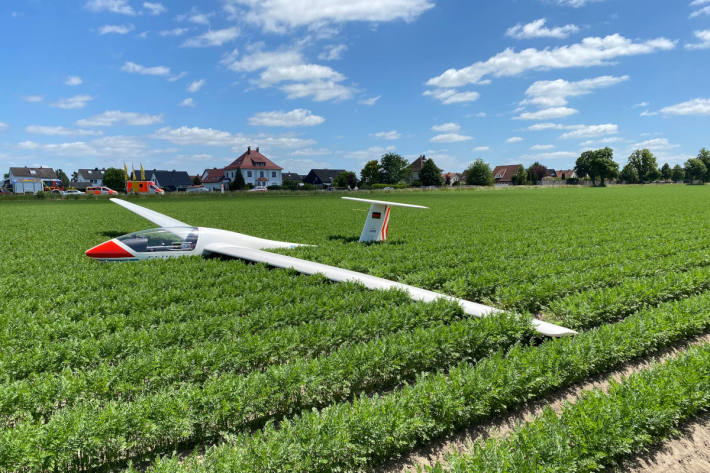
687 449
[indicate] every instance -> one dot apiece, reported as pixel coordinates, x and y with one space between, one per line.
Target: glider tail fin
376 224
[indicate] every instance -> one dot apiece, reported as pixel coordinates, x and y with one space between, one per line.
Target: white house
257 169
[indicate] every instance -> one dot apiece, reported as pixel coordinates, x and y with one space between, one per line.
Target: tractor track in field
690 451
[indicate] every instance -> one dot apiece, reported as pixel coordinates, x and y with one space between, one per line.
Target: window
248 173
261 173
273 173
161 239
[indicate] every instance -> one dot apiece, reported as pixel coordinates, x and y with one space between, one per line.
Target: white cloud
704 37
116 29
173 32
545 126
278 15
196 85
449 96
541 147
303 166
33 98
576 3
311 152
601 141
481 149
387 135
287 65
3 127
186 136
449 127
481 115
116 147
547 113
554 93
691 107
550 156
592 51
212 38
332 52
149 71
370 102
514 139
113 6
537 29
73 81
661 144
701 11
188 102
450 138
59 131
294 118
71 103
177 76
154 7
373 152
697 3
641 105
113 117
589 131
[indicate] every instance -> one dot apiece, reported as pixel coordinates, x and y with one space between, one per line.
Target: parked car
197 189
259 189
100 190
72 192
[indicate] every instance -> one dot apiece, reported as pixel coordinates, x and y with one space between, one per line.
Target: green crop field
201 365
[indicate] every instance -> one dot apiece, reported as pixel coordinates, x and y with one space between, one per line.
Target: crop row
587 309
600 429
37 396
93 434
369 430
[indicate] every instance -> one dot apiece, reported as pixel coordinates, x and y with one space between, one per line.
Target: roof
253 159
42 173
566 173
169 178
418 163
505 173
292 176
213 176
322 176
95 173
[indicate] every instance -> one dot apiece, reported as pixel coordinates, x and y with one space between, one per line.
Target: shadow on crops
353 239
113 233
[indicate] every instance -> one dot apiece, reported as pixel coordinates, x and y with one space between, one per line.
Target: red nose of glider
108 250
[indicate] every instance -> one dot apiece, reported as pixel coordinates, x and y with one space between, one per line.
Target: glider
174 238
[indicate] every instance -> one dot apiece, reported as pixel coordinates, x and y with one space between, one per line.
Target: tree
289 184
394 168
197 180
603 166
704 156
536 172
629 174
430 174
582 166
666 172
114 179
479 174
345 179
645 163
238 182
63 177
371 174
695 170
678 174
74 176
520 178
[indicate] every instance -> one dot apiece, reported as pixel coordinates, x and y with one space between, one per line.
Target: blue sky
334 83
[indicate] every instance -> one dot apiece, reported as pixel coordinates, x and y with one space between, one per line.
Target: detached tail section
378 218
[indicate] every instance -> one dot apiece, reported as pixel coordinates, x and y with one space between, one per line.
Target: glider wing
371 282
155 217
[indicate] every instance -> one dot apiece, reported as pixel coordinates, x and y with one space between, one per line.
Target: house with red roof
257 169
215 180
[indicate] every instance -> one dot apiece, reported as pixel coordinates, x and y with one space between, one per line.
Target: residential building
32 179
292 176
170 181
93 177
504 174
451 178
256 169
215 180
322 177
566 174
416 167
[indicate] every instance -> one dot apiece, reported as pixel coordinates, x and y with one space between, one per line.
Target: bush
479 174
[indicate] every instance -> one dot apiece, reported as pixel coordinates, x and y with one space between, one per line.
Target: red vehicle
99 190
143 187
